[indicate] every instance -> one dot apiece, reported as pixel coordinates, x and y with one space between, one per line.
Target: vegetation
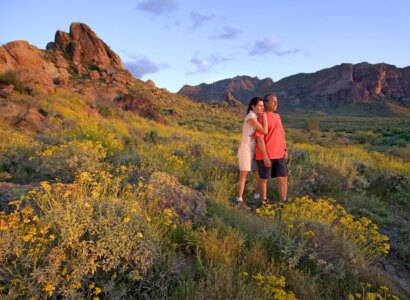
9 77
92 230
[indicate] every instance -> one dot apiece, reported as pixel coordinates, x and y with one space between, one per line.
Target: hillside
79 62
342 89
111 188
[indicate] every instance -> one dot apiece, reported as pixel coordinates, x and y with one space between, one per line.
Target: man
270 152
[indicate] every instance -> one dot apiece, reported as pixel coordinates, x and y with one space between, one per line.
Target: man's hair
267 96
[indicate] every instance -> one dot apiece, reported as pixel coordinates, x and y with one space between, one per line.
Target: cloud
228 32
158 7
199 19
269 45
139 66
264 46
283 53
203 65
172 24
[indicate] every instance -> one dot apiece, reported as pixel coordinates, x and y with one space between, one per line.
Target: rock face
82 45
337 86
231 100
30 64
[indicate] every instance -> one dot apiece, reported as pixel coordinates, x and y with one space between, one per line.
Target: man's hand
286 156
266 162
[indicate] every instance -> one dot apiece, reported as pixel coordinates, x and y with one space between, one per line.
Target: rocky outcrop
31 65
82 46
140 105
167 192
80 53
340 85
231 100
31 120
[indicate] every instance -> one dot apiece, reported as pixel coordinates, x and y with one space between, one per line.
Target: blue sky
177 42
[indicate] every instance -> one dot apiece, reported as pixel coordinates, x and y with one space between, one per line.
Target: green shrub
312 125
67 160
9 77
18 165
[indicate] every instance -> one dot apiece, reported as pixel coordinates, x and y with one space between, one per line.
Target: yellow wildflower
97 291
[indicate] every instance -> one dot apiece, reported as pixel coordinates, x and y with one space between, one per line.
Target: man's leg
282 183
263 188
257 192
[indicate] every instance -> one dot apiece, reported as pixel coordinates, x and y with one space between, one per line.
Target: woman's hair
254 101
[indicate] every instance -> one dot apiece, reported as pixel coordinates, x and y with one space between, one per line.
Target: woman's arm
262 128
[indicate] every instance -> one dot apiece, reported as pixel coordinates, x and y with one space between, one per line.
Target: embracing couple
263 149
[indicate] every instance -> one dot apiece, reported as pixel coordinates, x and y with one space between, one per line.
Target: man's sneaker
242 205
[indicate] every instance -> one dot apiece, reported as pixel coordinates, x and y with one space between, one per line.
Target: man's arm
262 148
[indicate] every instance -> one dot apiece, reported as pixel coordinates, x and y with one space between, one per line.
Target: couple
263 149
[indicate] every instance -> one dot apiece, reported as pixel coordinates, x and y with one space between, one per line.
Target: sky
178 42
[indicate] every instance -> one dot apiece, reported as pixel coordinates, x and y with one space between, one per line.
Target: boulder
167 192
140 105
32 120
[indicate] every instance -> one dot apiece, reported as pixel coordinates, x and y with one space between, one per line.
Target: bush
17 164
67 160
360 232
9 77
90 239
312 125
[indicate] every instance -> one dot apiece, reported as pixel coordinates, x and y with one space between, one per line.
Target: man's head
270 102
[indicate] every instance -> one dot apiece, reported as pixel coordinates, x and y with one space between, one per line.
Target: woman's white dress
246 151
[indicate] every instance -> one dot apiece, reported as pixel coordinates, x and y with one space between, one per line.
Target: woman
246 150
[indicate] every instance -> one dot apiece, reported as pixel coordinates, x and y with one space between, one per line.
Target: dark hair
266 97
254 101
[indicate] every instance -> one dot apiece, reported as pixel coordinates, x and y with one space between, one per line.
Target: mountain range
347 88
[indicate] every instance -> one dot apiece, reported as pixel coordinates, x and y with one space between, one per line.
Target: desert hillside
112 188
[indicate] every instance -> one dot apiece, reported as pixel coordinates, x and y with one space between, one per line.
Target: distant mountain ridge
327 90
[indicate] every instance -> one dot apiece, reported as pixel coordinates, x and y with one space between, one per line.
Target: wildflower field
102 207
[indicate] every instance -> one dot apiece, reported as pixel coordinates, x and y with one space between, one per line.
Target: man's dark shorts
279 169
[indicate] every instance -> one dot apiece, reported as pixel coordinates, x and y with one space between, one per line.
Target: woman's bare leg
242 181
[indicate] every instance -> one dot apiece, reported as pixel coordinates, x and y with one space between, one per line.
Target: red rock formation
242 87
337 86
50 69
31 65
143 106
82 45
231 100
